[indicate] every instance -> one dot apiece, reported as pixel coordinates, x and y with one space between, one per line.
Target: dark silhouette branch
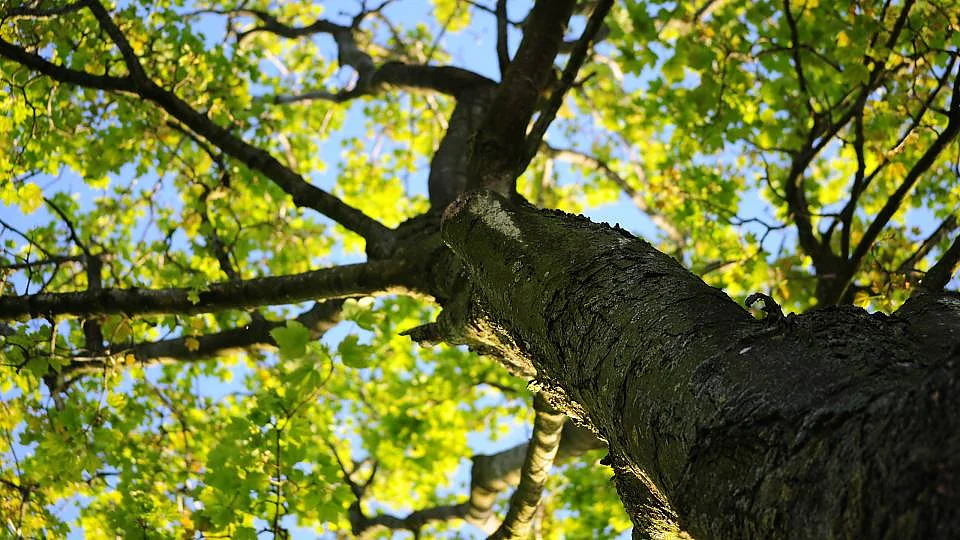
795 55
859 179
130 57
55 260
577 57
927 160
795 196
503 43
27 12
371 278
946 227
449 80
269 23
318 319
821 133
93 267
444 79
499 149
942 272
64 74
861 183
413 521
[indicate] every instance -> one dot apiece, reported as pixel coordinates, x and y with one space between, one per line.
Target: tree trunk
835 423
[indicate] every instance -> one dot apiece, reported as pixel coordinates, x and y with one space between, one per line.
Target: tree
200 229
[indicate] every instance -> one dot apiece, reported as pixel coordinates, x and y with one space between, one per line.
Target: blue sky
473 49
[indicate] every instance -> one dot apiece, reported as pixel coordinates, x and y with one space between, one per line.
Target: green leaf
354 354
245 533
291 339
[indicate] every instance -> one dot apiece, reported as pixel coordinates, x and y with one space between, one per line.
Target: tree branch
54 260
449 80
24 12
503 43
130 58
445 79
371 278
499 148
303 193
413 521
796 200
271 24
861 183
822 132
93 267
795 53
541 452
64 74
946 227
927 160
577 56
318 319
490 475
941 273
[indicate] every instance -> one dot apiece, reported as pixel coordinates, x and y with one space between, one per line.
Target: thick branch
797 204
413 521
63 74
494 473
577 56
377 277
712 416
448 168
541 452
449 80
349 52
942 272
444 79
830 267
130 57
54 260
271 24
499 147
304 193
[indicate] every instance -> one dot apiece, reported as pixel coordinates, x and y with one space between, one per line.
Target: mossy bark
834 423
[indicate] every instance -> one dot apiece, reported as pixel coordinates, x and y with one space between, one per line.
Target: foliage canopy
196 343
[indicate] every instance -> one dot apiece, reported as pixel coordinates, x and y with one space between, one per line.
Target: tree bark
834 423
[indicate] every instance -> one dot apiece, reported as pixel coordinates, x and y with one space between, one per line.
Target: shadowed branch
377 277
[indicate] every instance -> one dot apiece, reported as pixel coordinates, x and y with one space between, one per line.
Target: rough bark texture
541 452
835 423
448 168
